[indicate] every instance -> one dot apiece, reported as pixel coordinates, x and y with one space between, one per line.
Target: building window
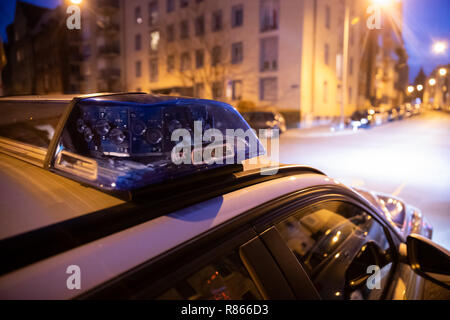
237 52
170 63
217 89
350 95
184 3
216 55
137 42
170 33
153 13
269 12
325 92
170 5
237 15
184 29
185 61
200 25
268 89
138 15
339 68
236 88
217 21
327 17
269 54
154 40
327 54
199 90
19 55
199 58
350 66
154 70
138 69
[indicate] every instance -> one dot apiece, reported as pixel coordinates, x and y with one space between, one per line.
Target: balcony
108 28
109 50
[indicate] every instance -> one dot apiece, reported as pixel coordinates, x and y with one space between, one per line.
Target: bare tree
203 46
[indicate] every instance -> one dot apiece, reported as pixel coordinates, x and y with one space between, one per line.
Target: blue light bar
130 141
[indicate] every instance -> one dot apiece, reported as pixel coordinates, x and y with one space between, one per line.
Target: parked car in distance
409 110
360 119
265 119
401 112
380 115
393 114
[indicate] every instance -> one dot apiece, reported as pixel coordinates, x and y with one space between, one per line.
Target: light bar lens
120 145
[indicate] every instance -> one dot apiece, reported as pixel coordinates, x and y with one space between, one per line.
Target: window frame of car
323 195
178 264
206 244
197 252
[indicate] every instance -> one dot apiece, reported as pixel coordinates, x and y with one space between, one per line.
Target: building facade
436 88
282 53
287 54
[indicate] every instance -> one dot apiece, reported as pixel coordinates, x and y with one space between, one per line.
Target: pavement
408 158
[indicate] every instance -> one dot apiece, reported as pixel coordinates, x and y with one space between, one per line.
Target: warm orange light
76 1
419 87
410 89
443 71
381 2
432 82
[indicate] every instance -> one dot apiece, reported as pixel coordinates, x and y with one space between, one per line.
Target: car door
237 266
345 251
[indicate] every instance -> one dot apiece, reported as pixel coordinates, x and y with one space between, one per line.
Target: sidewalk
318 132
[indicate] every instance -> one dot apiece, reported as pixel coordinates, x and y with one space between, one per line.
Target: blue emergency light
129 141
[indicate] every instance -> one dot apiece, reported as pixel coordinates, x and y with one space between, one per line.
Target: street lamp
419 87
432 82
410 89
443 72
439 47
76 1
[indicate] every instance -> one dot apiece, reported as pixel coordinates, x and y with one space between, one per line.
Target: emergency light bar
129 141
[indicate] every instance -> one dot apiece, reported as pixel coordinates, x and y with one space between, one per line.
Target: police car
140 196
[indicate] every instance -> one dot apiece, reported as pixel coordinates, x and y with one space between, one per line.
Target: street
407 158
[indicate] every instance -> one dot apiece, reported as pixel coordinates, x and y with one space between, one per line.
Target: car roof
32 198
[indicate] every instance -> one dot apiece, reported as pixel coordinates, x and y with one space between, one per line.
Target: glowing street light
382 3
432 82
76 1
443 72
439 47
410 89
419 87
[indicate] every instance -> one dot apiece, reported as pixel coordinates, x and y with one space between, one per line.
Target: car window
224 279
336 243
31 123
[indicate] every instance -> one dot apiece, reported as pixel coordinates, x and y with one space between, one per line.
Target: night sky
425 21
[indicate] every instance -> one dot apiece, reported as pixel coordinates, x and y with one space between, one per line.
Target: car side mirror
429 260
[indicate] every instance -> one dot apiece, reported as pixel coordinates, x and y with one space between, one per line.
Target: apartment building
44 56
436 88
99 46
282 53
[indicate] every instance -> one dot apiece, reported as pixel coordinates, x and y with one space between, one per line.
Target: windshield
30 122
